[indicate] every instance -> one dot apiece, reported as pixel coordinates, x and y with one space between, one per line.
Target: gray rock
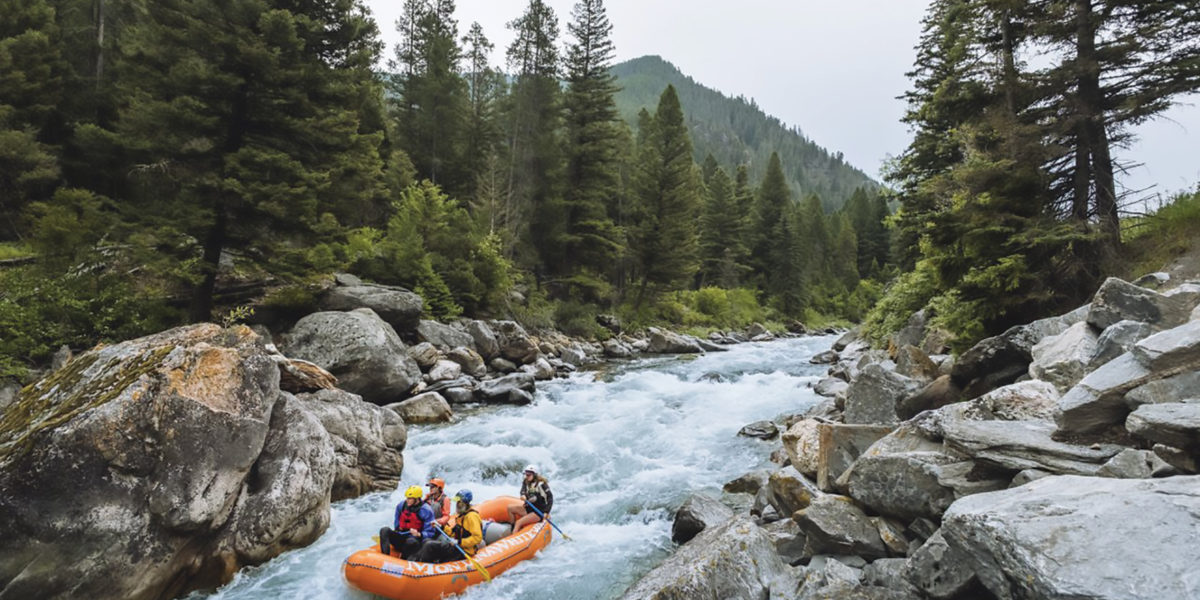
459 395
1152 281
899 476
429 407
1024 401
847 338
698 513
1097 402
358 348
801 441
1117 300
515 344
425 354
837 446
913 331
1181 461
470 361
443 337
873 397
8 394
540 369
938 571
788 491
1176 424
346 279
502 365
128 473
61 357
573 355
827 357
614 348
1049 538
1172 389
609 322
749 483
1062 359
669 342
789 540
1117 340
886 572
501 389
1009 352
763 430
1019 445
399 307
835 525
485 339
1174 349
367 441
830 387
755 330
1135 464
711 567
445 370
891 532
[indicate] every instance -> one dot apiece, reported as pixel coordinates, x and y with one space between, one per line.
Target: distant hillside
737 131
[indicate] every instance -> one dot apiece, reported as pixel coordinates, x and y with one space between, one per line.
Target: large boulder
430 407
1020 445
698 513
936 394
1063 359
669 342
1176 424
470 360
367 441
838 446
443 337
912 362
1172 389
485 339
514 343
872 397
939 572
1097 402
399 307
900 475
1055 538
151 467
788 491
445 370
1172 350
1000 360
802 441
425 354
1118 339
733 561
358 348
835 525
1118 300
516 388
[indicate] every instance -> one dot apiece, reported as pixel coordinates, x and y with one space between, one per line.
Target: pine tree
663 236
485 87
722 229
32 69
431 106
590 239
534 149
767 221
240 142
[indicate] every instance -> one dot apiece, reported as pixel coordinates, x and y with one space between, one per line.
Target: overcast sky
832 68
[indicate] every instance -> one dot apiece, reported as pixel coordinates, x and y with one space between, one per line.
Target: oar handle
543 515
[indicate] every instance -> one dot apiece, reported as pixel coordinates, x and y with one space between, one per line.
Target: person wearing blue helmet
467 532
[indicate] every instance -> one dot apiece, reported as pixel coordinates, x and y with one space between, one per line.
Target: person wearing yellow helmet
412 526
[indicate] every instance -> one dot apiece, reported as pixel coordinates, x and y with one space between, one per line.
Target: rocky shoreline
1056 460
153 467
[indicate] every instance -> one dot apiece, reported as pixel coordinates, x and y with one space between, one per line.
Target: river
621 446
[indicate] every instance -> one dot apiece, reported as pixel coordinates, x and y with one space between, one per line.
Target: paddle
539 513
478 567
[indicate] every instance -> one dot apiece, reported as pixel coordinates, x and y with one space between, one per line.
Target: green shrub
906 294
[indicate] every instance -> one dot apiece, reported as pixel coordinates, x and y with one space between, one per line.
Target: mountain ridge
735 130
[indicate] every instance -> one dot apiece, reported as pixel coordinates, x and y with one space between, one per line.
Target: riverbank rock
763 430
516 388
131 466
669 342
443 337
429 407
367 441
1053 538
1118 300
358 348
1063 359
734 561
835 525
873 397
399 307
514 343
698 513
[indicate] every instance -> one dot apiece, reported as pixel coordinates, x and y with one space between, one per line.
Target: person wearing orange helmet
412 527
438 501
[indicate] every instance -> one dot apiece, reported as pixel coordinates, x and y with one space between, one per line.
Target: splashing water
621 448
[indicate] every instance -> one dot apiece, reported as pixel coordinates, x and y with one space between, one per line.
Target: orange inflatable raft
392 577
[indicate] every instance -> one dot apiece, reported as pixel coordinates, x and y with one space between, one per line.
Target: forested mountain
736 131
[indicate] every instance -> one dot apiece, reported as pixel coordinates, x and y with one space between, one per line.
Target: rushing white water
621 448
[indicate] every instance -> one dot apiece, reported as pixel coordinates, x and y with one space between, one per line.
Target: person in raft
438 501
413 526
467 532
535 490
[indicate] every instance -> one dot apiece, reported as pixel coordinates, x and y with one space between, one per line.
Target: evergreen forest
168 161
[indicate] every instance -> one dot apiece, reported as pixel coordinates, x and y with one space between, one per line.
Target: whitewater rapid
621 446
